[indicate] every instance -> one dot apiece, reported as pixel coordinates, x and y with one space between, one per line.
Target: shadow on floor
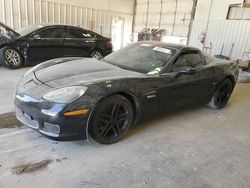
9 120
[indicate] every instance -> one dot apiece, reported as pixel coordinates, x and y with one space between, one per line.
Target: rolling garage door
174 16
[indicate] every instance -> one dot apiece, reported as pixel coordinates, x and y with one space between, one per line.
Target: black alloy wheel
111 120
222 95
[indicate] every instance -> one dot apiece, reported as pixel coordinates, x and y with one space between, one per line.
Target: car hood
83 71
11 32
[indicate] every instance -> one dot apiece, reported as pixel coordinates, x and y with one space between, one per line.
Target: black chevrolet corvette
37 43
76 97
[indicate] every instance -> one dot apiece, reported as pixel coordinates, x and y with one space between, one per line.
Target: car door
78 42
188 82
46 44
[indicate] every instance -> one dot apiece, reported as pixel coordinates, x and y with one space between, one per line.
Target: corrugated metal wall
172 15
20 13
224 32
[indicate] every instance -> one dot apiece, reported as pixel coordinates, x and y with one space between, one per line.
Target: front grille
26 119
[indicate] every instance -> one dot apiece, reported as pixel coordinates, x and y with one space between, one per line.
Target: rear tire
11 58
222 94
111 120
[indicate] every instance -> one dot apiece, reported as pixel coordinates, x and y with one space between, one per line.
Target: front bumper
48 119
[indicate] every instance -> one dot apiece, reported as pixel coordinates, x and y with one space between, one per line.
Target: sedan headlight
65 95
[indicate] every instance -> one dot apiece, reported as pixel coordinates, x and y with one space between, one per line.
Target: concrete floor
244 77
198 147
8 82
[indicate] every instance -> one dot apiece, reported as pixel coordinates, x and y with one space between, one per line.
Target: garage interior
192 147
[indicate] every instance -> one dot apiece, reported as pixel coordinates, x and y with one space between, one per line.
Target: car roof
171 45
54 25
64 25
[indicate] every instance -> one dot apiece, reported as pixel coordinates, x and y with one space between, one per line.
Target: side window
207 57
188 60
56 33
78 34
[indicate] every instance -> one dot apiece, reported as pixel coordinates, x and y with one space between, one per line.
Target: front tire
11 58
111 120
222 94
96 54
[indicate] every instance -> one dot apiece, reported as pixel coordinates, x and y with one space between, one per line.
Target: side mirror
188 71
36 36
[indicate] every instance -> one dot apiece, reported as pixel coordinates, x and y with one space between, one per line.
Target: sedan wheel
222 95
111 120
11 58
96 55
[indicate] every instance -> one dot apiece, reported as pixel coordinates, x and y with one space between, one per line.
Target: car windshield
27 30
141 57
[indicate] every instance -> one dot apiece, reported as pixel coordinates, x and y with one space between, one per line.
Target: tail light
109 42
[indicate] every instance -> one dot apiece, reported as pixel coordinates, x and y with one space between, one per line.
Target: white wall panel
219 8
224 32
21 13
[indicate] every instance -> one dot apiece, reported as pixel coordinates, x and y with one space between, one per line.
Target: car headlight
66 94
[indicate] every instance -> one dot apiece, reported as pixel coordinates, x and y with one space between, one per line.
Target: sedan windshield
141 57
27 30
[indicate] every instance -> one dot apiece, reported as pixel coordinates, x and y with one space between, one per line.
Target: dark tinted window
188 60
78 34
51 33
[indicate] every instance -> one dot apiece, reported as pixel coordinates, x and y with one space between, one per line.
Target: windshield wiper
124 67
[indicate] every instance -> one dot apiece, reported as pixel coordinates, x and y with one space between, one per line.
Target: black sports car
37 43
75 97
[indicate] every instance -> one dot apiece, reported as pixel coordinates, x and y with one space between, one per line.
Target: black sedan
37 43
75 97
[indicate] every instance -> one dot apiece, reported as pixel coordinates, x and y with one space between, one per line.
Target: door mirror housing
36 36
187 70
